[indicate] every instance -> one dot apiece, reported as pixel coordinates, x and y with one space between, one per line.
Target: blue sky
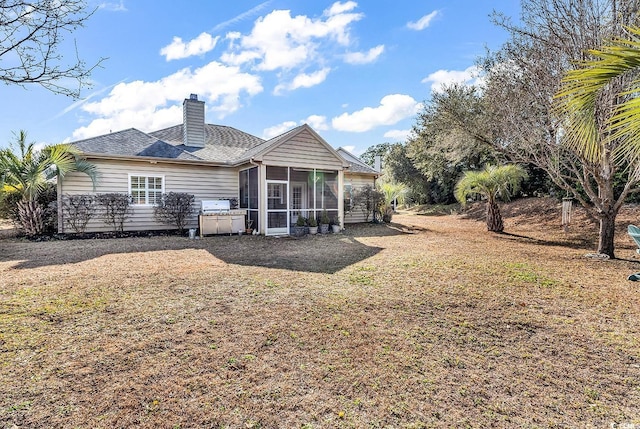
357 72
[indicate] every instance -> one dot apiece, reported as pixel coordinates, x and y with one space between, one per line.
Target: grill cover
215 206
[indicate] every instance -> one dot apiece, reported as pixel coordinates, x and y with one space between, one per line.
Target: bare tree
31 37
521 80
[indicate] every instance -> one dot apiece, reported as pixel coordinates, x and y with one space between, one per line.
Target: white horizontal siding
202 181
357 182
303 150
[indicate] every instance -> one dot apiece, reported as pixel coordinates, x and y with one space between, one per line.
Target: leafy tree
31 37
369 155
175 208
449 137
29 173
491 183
400 168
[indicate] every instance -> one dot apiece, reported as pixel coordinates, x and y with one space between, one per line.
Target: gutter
155 160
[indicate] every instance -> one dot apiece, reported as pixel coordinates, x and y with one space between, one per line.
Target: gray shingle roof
222 144
356 165
225 145
131 142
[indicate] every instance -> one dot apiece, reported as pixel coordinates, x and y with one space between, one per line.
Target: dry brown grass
428 322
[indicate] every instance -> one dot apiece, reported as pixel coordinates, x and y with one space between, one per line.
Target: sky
356 72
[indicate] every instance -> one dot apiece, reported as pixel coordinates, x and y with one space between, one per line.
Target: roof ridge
108 134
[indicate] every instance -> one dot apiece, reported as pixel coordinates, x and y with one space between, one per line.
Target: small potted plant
249 229
335 225
299 228
324 222
313 225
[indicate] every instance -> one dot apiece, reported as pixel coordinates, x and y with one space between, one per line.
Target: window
296 197
146 189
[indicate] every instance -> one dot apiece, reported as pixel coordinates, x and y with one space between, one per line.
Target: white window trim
146 197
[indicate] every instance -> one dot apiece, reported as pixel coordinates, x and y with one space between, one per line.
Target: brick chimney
193 122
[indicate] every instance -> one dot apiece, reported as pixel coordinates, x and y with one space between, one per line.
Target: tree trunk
607 233
31 217
494 218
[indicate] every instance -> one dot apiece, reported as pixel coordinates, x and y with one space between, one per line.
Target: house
274 180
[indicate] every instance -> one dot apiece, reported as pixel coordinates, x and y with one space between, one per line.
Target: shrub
175 208
78 211
48 199
324 218
116 208
301 221
369 199
9 204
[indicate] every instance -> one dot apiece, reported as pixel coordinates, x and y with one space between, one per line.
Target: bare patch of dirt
428 322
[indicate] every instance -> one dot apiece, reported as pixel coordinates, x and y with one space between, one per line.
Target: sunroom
274 196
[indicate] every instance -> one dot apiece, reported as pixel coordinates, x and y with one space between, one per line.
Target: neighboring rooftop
356 165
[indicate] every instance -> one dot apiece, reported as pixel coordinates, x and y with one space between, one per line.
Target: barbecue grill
217 217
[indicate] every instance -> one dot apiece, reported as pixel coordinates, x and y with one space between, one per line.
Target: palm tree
600 108
491 183
30 170
579 96
393 192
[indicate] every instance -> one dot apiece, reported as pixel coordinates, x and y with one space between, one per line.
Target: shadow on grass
320 254
382 229
573 243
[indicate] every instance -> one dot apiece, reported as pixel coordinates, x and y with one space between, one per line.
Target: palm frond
491 183
577 101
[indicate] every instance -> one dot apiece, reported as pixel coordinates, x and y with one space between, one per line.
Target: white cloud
364 57
397 135
276 130
198 46
303 80
317 122
354 150
154 105
442 78
338 8
423 22
280 41
113 7
392 109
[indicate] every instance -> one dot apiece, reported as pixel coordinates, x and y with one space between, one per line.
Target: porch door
277 207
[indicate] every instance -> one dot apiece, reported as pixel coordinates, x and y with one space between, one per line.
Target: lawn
428 322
